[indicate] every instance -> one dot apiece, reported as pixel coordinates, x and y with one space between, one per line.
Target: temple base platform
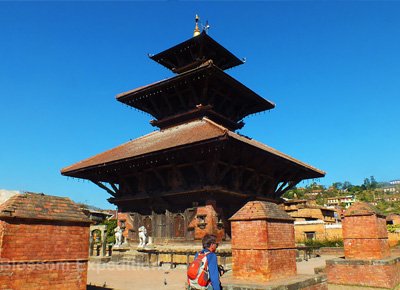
379 274
174 254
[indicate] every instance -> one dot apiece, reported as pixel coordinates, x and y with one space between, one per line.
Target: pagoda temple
167 179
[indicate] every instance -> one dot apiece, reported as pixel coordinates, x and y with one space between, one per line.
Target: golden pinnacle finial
196 28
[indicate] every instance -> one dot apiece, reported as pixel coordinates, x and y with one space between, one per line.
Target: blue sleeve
213 271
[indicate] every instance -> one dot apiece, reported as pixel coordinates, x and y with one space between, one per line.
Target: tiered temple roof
196 155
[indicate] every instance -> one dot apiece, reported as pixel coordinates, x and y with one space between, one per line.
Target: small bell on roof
196 28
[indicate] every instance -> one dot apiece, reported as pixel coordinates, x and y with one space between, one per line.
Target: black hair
208 240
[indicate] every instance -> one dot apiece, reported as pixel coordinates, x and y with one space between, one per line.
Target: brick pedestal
263 246
367 259
364 233
44 243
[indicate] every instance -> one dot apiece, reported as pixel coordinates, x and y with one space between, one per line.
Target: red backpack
197 272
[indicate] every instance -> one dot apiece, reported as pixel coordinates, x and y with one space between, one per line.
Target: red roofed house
44 242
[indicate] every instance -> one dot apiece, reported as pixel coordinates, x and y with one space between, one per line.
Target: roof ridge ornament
196 28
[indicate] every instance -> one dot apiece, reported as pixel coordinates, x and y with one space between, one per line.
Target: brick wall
59 275
51 255
44 241
322 231
373 227
263 250
264 235
263 265
301 229
333 233
366 248
211 220
128 224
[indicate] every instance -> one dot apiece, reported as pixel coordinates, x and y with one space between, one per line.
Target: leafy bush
393 228
324 243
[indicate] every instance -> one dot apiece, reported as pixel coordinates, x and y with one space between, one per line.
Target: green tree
111 225
337 185
347 185
373 182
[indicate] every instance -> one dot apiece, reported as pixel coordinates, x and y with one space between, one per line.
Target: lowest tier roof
195 132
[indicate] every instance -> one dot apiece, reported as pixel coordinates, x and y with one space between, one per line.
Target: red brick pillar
263 245
364 233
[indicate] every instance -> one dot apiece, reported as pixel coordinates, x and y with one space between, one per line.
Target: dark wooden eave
194 51
205 85
198 113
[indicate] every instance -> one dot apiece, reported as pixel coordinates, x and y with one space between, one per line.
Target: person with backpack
203 273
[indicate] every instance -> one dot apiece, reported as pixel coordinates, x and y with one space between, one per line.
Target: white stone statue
118 236
142 236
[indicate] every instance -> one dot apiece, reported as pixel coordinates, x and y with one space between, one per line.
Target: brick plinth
364 233
371 273
44 243
263 246
367 259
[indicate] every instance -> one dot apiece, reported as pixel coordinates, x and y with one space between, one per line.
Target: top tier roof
193 52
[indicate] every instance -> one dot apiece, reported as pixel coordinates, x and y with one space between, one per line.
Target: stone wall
333 232
393 239
322 230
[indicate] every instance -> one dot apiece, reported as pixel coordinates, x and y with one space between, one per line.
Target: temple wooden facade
196 158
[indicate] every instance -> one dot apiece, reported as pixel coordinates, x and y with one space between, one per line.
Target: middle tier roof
206 91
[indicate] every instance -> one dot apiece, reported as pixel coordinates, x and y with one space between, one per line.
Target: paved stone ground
125 277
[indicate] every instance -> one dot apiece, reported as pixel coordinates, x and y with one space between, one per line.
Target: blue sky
331 68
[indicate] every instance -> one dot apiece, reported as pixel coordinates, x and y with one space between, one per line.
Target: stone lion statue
118 236
142 237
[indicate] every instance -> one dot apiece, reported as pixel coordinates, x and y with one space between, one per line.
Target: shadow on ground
91 287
